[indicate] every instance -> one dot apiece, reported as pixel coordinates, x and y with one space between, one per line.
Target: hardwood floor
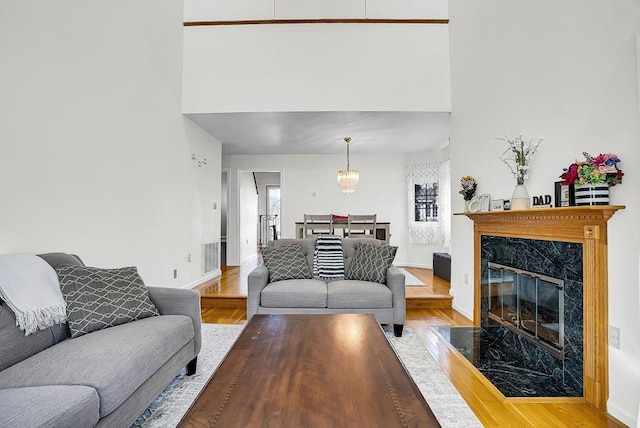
224 302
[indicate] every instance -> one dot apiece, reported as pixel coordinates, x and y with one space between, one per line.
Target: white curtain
430 232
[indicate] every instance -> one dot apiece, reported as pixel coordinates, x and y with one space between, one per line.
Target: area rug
448 406
409 279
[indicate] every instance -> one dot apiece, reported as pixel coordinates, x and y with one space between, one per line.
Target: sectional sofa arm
396 282
257 280
179 301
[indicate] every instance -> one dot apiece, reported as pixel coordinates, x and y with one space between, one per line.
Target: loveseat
384 299
104 378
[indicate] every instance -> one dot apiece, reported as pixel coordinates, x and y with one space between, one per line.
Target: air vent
211 257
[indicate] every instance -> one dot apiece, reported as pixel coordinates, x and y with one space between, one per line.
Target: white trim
214 274
415 265
620 415
248 259
461 310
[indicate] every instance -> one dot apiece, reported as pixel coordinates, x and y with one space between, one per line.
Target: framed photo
565 195
485 202
497 205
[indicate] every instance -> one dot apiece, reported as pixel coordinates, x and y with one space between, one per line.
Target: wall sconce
200 162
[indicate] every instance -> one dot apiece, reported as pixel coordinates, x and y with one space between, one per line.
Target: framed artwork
485 202
497 205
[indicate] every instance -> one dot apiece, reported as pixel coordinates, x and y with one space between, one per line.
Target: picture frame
485 202
565 195
474 204
497 205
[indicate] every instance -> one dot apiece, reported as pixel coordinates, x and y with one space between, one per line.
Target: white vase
520 198
592 194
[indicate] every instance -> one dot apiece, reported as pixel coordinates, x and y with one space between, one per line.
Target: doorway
268 185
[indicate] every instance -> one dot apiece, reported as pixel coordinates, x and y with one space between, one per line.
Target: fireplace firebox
530 304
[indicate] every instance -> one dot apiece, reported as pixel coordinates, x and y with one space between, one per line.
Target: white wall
382 190
316 67
95 153
564 71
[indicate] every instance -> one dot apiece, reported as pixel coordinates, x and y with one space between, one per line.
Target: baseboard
250 258
207 277
462 311
415 265
620 415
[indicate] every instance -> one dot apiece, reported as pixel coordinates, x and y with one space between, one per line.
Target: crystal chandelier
348 178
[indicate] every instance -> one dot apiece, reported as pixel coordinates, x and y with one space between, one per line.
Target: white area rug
409 279
448 406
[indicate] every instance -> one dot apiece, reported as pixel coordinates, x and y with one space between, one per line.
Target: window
429 203
426 202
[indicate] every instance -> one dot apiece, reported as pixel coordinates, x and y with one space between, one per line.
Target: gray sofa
106 378
313 296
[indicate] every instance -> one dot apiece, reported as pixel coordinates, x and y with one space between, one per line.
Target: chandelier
348 178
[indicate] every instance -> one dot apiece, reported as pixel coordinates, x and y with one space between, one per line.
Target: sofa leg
191 367
397 330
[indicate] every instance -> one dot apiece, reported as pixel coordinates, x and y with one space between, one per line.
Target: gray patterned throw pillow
370 262
100 298
286 262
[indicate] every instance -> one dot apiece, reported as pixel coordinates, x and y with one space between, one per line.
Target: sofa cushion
49 406
308 247
295 293
115 361
358 294
349 246
370 262
286 262
57 260
100 298
15 346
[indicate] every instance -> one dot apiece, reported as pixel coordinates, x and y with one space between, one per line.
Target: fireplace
568 244
531 304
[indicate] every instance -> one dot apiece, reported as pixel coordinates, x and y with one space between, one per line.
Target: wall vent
211 258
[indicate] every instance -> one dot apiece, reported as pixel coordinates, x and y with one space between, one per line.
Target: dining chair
317 224
361 225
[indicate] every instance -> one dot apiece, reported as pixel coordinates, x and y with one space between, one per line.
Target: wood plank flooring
224 302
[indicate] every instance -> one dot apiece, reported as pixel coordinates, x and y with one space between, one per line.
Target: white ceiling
324 132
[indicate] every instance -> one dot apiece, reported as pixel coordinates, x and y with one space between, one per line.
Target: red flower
570 175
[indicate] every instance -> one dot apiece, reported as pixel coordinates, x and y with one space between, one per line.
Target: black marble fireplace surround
514 364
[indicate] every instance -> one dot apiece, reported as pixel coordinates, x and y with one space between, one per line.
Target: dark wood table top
311 371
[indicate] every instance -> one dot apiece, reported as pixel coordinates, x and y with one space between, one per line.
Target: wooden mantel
586 225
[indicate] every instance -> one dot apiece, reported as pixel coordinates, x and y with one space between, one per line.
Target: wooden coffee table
310 371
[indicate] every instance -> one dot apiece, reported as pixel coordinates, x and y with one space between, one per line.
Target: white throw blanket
328 259
30 287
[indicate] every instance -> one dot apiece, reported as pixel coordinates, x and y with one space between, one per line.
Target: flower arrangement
522 154
601 169
468 184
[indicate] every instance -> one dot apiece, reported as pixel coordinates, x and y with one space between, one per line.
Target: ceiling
324 132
